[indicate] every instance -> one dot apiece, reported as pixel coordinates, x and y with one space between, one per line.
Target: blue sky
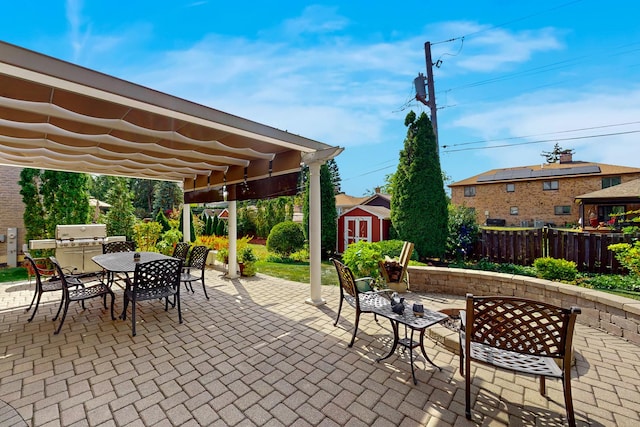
515 78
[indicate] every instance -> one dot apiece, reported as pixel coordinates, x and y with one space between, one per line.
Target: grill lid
81 231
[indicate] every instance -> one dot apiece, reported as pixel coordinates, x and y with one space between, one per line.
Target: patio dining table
125 262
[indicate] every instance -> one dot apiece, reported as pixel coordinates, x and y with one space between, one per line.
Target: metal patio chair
79 292
159 279
194 270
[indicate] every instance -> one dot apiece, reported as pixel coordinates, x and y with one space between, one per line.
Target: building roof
379 211
625 191
545 171
344 200
384 196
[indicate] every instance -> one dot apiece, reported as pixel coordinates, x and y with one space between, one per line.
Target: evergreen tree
65 198
34 216
166 197
162 219
120 218
419 203
143 191
328 212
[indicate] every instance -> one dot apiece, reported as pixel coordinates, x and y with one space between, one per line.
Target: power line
504 24
540 134
546 140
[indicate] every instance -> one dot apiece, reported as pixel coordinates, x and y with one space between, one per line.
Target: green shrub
484 265
246 255
462 231
556 269
286 238
628 255
393 249
362 258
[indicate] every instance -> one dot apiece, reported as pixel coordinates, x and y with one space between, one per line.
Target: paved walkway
256 354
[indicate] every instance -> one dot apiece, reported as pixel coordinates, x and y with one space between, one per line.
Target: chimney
566 156
377 190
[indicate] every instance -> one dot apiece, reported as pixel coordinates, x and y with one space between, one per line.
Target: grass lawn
296 272
13 274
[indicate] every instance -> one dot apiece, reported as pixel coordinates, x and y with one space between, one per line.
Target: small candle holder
136 256
418 310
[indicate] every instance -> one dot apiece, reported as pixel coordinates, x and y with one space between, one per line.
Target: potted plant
223 255
247 261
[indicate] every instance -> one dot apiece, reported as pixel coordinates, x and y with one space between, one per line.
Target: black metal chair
159 279
181 251
79 292
362 302
53 284
194 270
113 247
119 246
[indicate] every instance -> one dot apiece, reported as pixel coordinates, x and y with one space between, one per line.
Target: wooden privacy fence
521 247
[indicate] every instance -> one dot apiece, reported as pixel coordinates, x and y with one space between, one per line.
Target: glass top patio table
124 262
415 323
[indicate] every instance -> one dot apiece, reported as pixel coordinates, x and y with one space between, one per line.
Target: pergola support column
315 235
233 240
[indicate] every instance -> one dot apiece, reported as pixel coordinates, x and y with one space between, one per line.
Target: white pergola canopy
59 116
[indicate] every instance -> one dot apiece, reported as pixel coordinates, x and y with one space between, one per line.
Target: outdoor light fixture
225 193
245 186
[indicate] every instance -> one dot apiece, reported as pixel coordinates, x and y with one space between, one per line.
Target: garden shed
369 221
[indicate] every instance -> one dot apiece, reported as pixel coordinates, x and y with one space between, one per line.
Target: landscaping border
614 314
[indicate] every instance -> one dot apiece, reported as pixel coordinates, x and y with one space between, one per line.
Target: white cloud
550 115
315 19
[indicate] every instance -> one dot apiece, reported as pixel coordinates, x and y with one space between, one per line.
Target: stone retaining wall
616 315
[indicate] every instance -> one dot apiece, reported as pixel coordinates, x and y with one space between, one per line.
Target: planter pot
241 267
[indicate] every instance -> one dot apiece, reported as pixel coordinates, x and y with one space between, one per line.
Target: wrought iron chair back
159 279
42 285
75 290
119 246
362 302
520 335
194 270
181 251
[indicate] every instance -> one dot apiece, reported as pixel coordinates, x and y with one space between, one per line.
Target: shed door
356 229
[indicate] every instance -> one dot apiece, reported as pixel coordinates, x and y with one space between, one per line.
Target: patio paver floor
256 354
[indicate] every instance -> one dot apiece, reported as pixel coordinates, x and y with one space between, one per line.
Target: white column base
315 303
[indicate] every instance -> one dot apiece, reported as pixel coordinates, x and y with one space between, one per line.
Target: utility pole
421 93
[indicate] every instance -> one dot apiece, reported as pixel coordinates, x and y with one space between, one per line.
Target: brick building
536 195
11 209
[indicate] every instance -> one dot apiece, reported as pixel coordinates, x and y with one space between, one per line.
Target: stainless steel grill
76 244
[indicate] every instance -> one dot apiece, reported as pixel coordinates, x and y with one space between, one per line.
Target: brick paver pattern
256 354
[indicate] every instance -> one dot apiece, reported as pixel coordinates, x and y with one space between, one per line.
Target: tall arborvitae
419 203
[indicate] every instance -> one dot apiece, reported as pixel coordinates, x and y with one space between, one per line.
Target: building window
562 210
611 181
513 210
550 185
470 191
511 188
